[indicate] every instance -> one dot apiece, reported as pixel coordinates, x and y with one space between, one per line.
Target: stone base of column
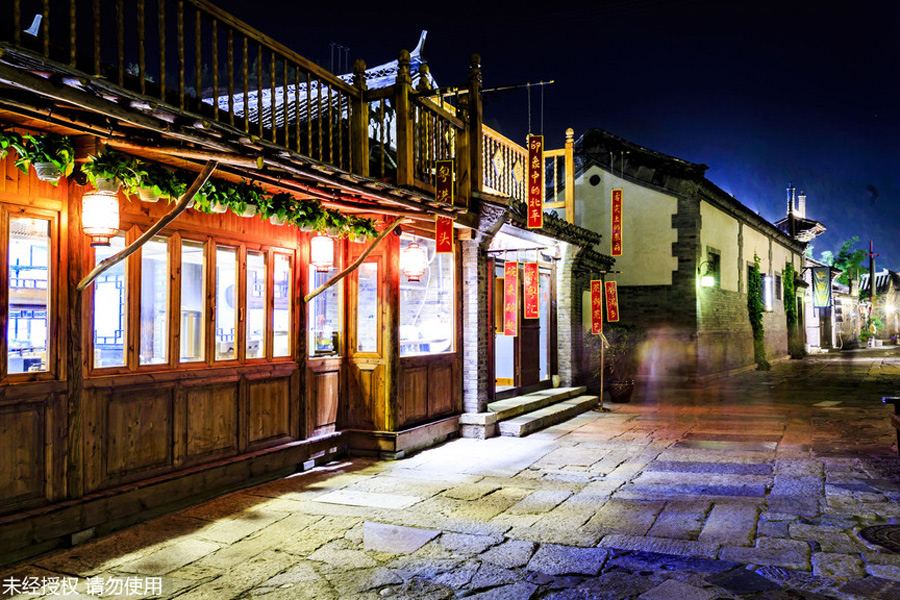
479 426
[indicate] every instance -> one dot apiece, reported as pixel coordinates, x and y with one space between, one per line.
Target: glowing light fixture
413 261
100 216
321 253
708 275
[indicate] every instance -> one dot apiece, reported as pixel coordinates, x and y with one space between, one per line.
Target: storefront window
426 306
109 308
226 302
281 313
154 302
29 294
367 310
193 301
324 314
256 304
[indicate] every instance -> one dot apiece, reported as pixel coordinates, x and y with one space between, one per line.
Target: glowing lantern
708 281
321 253
100 216
413 261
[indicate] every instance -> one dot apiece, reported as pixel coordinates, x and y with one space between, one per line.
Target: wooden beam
156 228
188 153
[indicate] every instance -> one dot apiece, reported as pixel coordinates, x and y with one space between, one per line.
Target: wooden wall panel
138 432
413 395
441 388
366 408
22 450
212 420
269 410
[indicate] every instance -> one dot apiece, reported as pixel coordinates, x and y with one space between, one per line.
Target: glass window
281 313
768 292
426 306
109 308
325 314
193 302
155 302
256 304
226 302
29 294
367 309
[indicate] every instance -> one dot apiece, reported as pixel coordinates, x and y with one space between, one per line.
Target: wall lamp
707 274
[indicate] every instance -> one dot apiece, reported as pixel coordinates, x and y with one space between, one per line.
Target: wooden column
570 175
405 141
74 349
463 156
476 141
359 122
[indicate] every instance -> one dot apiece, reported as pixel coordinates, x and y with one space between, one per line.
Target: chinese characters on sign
616 237
596 307
93 586
443 235
532 299
612 302
535 181
510 297
443 192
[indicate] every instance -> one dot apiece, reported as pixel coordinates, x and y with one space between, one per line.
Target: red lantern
413 261
321 253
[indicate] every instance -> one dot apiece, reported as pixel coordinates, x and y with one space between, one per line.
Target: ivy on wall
756 307
795 347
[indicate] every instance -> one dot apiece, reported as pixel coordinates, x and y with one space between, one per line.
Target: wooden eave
39 94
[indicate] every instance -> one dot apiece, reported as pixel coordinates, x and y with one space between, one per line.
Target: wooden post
74 352
570 175
476 141
463 156
359 122
404 120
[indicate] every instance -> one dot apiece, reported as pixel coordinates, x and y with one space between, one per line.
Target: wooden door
528 344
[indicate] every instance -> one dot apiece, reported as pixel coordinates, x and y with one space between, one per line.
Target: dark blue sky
765 93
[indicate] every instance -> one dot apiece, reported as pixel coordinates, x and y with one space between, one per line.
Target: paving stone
681 519
611 585
657 562
770 551
299 573
632 517
396 539
773 529
489 575
553 559
742 581
676 589
419 589
884 571
840 566
466 544
408 567
516 591
349 583
237 581
459 577
509 554
169 558
730 523
872 588
539 501
338 557
659 545
472 491
717 468
368 499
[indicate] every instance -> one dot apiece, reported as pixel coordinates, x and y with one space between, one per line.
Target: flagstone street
754 486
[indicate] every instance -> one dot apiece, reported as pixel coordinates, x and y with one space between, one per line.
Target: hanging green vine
756 307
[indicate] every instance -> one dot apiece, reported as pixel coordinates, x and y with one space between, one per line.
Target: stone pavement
753 487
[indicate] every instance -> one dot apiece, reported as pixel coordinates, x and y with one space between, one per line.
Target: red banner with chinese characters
443 184
596 307
510 298
532 297
612 302
443 235
535 181
616 237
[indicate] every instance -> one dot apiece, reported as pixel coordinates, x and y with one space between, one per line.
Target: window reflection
324 314
154 302
256 304
281 313
109 307
367 310
226 302
426 306
29 294
193 301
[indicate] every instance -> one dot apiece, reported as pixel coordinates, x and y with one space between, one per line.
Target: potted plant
308 216
51 154
9 140
622 359
248 199
155 182
280 208
110 169
335 223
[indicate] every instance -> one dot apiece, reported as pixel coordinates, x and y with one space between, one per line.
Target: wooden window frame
339 252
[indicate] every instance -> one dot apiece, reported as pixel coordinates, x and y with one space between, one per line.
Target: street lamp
707 275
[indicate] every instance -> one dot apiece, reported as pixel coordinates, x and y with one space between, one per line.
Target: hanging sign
443 184
443 235
821 287
612 302
532 298
535 181
510 297
596 307
616 230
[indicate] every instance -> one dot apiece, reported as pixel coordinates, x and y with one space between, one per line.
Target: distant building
677 226
887 301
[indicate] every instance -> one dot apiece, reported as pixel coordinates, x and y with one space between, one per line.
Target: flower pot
334 232
106 185
359 239
620 390
47 171
148 195
248 212
276 220
218 207
307 228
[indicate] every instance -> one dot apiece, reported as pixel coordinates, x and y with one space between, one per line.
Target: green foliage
848 259
281 205
795 346
361 228
621 359
756 307
113 165
9 140
159 180
865 336
45 148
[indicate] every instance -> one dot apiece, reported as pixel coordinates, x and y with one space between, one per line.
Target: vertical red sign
612 302
510 298
616 237
443 235
443 182
532 298
596 307
535 181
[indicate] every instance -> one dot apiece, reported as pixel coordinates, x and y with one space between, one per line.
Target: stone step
545 417
513 407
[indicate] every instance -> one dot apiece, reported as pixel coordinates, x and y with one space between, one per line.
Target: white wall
720 231
756 242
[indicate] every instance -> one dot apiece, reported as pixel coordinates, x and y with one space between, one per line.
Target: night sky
765 93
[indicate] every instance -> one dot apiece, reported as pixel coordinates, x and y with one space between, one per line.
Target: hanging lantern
321 253
413 261
100 216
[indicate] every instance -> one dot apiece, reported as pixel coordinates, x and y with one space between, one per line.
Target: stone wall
725 337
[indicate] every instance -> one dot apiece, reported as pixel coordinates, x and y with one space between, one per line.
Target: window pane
193 305
109 308
256 305
29 294
154 302
367 311
226 301
324 315
426 306
281 314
